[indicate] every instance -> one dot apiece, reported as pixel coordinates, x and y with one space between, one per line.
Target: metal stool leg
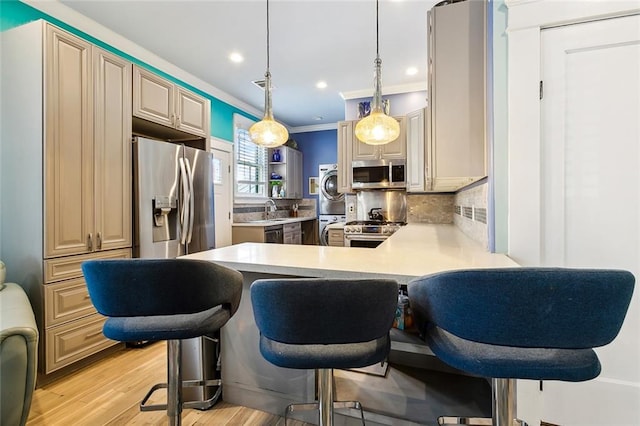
325 396
174 383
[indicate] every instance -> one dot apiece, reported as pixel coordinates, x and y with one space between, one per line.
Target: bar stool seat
165 299
520 323
317 323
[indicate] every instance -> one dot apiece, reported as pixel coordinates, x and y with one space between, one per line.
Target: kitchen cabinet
66 117
345 141
289 168
161 101
394 150
455 121
351 149
336 237
292 233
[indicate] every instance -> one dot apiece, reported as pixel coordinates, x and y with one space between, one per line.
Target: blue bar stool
520 323
317 323
164 299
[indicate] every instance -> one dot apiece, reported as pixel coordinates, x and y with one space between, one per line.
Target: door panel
68 145
222 184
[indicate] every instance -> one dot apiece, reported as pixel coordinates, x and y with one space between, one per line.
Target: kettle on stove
376 214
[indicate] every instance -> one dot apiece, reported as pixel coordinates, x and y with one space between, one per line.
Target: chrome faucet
269 206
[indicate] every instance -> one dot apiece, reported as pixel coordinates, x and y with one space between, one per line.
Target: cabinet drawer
291 227
71 342
66 301
69 267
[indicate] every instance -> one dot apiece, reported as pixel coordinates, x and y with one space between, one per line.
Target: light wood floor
109 391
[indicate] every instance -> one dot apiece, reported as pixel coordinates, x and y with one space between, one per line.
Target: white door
590 195
222 189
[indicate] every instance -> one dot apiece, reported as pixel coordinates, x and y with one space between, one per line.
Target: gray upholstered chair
18 354
323 324
520 323
164 299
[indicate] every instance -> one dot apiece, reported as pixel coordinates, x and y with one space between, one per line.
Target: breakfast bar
413 251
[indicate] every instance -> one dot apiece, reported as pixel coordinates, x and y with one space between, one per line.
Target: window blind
251 166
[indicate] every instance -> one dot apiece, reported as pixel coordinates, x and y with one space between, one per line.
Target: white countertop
276 221
413 251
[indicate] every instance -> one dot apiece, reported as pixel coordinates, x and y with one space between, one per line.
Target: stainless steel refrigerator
173 216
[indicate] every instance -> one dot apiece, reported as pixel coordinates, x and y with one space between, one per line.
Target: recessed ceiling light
412 71
321 85
236 57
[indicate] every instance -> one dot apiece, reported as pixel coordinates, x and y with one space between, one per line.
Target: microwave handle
390 171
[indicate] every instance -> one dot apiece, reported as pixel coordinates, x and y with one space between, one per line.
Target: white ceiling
311 40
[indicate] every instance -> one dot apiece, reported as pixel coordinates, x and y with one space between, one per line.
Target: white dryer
330 201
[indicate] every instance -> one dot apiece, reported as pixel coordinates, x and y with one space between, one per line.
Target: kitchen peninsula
413 251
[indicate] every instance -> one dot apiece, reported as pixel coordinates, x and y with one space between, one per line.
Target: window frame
241 122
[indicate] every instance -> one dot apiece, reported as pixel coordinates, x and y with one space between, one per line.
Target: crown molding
314 128
386 90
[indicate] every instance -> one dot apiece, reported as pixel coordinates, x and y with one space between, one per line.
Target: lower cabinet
292 233
72 327
336 237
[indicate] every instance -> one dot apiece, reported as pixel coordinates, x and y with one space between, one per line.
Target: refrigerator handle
184 208
191 201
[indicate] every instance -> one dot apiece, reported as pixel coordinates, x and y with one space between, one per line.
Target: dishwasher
273 234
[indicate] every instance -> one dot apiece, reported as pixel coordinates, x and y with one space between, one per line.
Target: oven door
364 240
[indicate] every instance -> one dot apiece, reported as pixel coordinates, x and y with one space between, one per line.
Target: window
250 162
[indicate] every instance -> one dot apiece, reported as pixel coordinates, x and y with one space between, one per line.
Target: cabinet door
294 173
192 113
345 140
415 151
112 129
396 149
68 145
153 97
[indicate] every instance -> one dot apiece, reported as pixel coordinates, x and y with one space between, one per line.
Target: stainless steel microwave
379 174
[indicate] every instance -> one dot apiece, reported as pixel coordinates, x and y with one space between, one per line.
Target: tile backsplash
470 213
430 208
246 212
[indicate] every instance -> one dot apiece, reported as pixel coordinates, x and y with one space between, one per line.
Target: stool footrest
316 406
200 405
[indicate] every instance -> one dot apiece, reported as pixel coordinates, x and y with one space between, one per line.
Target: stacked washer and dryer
331 207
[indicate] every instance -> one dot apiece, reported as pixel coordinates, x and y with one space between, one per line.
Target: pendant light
377 128
268 132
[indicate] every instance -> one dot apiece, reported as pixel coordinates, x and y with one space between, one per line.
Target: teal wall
14 13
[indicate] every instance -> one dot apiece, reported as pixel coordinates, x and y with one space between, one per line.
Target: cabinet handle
177 121
99 238
90 241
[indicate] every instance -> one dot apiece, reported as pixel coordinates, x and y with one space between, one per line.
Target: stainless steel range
369 233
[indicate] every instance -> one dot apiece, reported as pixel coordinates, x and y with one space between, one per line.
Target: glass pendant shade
268 132
377 128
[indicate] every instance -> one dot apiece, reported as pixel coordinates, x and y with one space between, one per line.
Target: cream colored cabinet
456 128
161 101
394 150
336 237
72 327
66 167
345 141
351 149
87 147
416 160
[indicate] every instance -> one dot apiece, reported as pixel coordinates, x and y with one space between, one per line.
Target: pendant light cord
268 35
377 31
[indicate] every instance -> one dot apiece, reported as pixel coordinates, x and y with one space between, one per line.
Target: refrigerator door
200 234
157 202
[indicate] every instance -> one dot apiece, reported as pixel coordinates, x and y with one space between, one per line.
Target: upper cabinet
350 149
87 153
394 150
163 102
345 141
455 122
285 172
